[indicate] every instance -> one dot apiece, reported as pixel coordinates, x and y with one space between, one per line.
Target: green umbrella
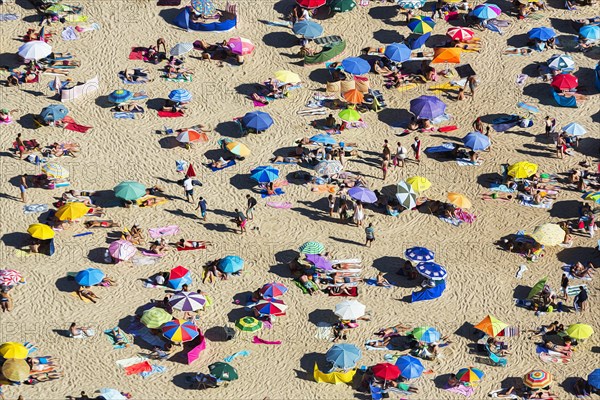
129 190
248 324
223 371
311 248
538 287
342 5
155 317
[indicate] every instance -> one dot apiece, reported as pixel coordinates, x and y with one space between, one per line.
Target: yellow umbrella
16 370
549 234
459 200
492 326
419 183
287 77
71 211
55 170
13 350
239 149
580 331
40 231
522 169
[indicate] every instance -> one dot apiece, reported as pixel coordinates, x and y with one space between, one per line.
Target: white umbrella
560 62
328 167
35 50
407 197
574 129
181 48
350 309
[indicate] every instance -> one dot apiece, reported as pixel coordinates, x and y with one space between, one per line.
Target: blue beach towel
429 293
278 192
230 163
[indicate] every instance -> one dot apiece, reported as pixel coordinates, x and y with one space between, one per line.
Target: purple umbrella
363 194
427 107
319 262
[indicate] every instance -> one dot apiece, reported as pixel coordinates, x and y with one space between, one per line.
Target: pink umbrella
240 45
121 250
9 277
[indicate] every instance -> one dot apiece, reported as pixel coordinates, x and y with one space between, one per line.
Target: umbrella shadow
102 102
229 129
27 121
280 40
62 332
215 334
441 381
541 92
181 213
242 182
307 365
322 315
574 254
155 104
390 266
388 36
518 40
383 12
184 380
565 209
394 117
568 384
66 284
16 239
466 330
320 75
97 255
346 241
237 313
219 228
169 14
168 142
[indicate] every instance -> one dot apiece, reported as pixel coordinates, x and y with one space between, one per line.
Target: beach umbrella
431 270
10 277
350 310
542 33
419 183
522 169
204 7
187 301
248 324
565 82
311 248
273 290
594 196
406 195
264 174
537 379
270 307
120 96
16 370
231 264
129 190
411 4
591 32
354 96
178 277
240 45
181 48
594 378
476 141
343 356
319 262
257 120
459 33
349 115
192 136
55 170
71 211
486 11
40 231
362 194
121 250
54 112
180 95
426 334
449 55
89 277
398 52
421 24
580 331
537 288
238 149
311 3
427 107
308 29
155 317
180 330
410 367
57 9
548 234
459 200
356 66
111 394
491 326
341 5
574 129
10 350
328 167
386 371
223 371
35 50
419 254
287 76
469 375
562 61
323 138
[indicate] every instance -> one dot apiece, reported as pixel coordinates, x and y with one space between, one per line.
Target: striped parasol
406 195
180 330
537 379
9 277
180 95
155 317
311 248
187 301
181 48
270 307
192 136
55 170
248 324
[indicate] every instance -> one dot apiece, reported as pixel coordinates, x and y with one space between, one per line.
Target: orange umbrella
354 96
192 135
446 55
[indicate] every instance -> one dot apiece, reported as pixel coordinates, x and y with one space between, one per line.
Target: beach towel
277 192
8 17
429 293
140 331
69 33
156 369
553 358
148 253
139 261
451 221
130 361
447 128
259 104
285 24
135 369
137 53
178 79
443 148
544 204
324 331
352 290
280 204
369 345
258 340
170 230
111 338
406 87
203 247
83 234
72 126
230 163
35 208
495 187
170 114
461 389
566 268
124 115
574 290
510 331
242 353
465 162
373 282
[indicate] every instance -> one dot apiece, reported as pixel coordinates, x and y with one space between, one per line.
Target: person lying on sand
84 292
182 244
566 349
521 51
497 196
101 224
80 331
129 107
159 247
392 331
220 163
580 271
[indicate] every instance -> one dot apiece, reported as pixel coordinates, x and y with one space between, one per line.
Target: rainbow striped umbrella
469 376
273 290
537 379
270 307
180 330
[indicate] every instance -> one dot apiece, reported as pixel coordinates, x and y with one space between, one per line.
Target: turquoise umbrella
129 190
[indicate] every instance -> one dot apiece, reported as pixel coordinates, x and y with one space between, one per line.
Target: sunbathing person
220 163
340 290
43 377
566 349
381 281
128 107
380 343
551 329
84 292
119 339
282 159
80 331
392 331
580 271
159 247
182 244
466 46
308 284
497 196
100 224
521 51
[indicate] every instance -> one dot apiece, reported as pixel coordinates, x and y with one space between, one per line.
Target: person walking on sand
23 187
564 284
240 220
487 133
472 82
202 206
384 167
560 146
401 154
416 148
251 203
386 154
331 203
188 187
580 301
370 235
550 125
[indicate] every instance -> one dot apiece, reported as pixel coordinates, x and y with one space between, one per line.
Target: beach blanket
352 290
156 369
124 115
280 204
75 295
566 268
369 345
258 340
544 204
447 128
429 293
574 290
170 114
170 230
130 361
178 79
230 163
140 331
138 53
510 331
135 369
35 208
277 192
443 148
554 358
203 247
324 331
373 282
242 353
8 17
111 339
495 187
83 234
451 221
465 162
75 127
324 188
69 33
461 389
303 289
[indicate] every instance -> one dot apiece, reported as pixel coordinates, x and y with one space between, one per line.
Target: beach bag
347 85
333 87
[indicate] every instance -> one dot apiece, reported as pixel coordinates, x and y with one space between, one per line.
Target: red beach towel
137 53
170 114
138 368
353 293
448 128
72 126
258 340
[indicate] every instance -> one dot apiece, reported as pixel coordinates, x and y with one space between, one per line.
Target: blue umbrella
431 270
409 367
264 174
417 42
356 66
476 141
419 254
362 194
231 264
308 29
591 32
120 96
89 277
343 356
542 33
398 52
426 334
257 120
594 378
180 95
427 107
54 112
486 11
323 138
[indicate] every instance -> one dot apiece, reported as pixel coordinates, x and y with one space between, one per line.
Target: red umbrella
565 82
311 3
190 172
459 33
386 371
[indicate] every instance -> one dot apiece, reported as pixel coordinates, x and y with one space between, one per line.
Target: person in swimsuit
84 292
101 224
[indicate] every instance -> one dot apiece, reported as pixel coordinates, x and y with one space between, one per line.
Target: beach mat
75 295
170 114
191 248
353 293
35 208
448 128
123 115
180 79
72 126
230 163
278 192
111 339
285 205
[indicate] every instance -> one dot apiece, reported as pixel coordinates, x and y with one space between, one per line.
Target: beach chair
496 360
376 392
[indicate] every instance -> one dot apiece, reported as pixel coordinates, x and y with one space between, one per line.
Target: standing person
370 234
359 213
384 167
188 187
560 146
401 154
343 206
23 187
240 220
251 203
331 202
20 146
416 147
487 133
472 82
386 153
202 206
580 301
564 284
550 125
